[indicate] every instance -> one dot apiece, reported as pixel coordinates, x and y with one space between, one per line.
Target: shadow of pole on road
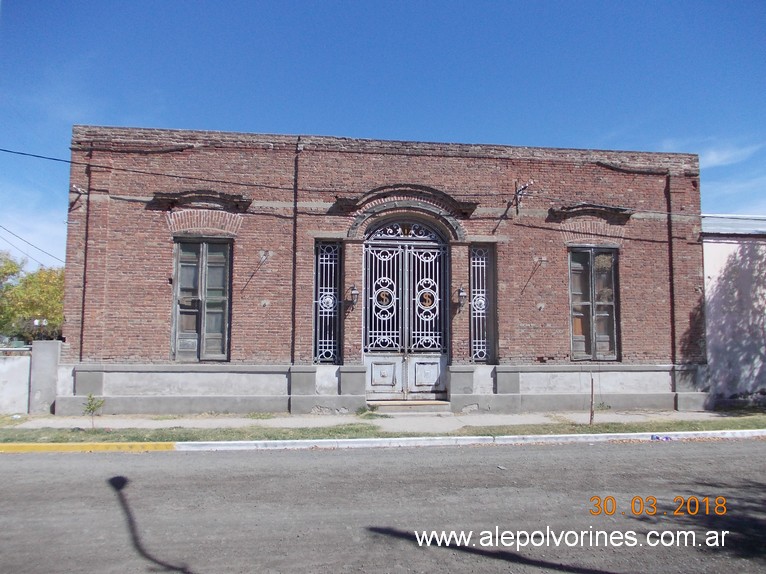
493 554
118 483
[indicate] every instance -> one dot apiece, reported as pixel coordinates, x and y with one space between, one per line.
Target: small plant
368 412
602 406
260 416
91 407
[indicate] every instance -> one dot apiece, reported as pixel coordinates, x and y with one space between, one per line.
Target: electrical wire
22 251
532 194
161 174
32 245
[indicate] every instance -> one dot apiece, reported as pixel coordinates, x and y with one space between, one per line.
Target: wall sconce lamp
462 296
354 295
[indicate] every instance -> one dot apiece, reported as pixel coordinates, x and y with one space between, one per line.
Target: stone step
409 407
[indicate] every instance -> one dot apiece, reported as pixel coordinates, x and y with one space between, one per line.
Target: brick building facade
229 272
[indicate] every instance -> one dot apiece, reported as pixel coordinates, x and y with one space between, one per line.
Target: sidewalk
427 423
425 429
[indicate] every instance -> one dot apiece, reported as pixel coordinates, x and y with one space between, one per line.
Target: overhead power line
32 245
17 248
533 194
161 174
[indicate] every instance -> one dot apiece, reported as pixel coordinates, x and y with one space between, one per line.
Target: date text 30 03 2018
647 505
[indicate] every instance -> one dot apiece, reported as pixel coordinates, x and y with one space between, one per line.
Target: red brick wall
121 248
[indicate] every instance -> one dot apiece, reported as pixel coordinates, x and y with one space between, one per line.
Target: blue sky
686 76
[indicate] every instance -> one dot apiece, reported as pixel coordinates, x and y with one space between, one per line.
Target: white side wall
735 314
14 384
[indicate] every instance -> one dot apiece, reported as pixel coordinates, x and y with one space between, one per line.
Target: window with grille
327 302
202 297
593 296
481 303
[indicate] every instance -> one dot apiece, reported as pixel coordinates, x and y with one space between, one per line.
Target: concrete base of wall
692 401
581 402
176 405
327 405
547 388
541 403
180 389
304 389
501 404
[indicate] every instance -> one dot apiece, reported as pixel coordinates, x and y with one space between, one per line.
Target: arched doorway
406 311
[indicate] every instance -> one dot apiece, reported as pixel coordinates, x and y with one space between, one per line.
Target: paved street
356 511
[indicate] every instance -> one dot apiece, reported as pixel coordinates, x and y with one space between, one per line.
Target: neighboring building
735 307
233 272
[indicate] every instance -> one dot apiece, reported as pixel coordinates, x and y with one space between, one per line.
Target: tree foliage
29 298
9 269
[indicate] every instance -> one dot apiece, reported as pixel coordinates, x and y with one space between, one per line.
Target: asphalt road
357 510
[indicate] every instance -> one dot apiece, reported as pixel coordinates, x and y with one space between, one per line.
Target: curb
25 447
641 436
462 440
345 443
335 444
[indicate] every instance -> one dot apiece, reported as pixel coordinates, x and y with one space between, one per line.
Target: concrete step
409 407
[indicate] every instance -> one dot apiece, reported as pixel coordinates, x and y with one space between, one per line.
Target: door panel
383 316
425 373
385 374
405 338
425 317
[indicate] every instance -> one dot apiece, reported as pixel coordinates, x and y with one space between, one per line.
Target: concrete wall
128 388
30 381
548 388
43 379
14 382
178 389
735 316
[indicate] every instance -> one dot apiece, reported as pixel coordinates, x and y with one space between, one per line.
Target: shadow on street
118 483
505 555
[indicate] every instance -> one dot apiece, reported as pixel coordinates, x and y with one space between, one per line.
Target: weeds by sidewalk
12 434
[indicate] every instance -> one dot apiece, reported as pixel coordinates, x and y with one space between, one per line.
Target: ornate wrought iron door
405 337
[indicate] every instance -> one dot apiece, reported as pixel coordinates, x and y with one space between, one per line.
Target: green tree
9 269
31 304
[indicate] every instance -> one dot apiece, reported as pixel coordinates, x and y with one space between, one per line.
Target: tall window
327 304
593 295
202 301
481 303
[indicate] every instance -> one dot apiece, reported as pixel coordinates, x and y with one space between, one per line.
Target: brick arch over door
436 221
432 206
